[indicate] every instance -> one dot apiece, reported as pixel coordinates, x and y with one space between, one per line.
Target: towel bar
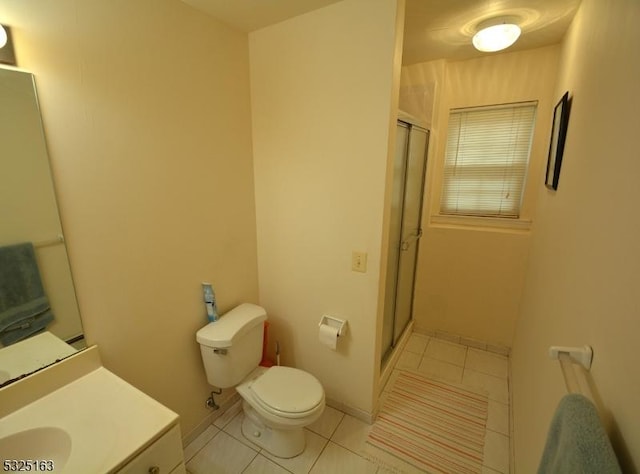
575 362
59 239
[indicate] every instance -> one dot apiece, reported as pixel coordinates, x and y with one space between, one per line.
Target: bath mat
432 425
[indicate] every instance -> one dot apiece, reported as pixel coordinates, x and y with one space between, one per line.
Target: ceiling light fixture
3 37
7 54
496 34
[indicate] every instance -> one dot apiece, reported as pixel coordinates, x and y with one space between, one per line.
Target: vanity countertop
109 421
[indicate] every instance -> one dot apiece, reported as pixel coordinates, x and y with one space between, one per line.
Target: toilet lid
288 390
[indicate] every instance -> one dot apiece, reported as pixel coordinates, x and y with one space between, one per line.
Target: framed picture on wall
556 147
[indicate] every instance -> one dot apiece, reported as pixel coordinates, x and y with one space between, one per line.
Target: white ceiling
250 15
434 29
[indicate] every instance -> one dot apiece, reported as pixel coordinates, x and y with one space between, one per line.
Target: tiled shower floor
334 441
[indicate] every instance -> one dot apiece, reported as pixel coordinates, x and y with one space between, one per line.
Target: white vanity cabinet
165 456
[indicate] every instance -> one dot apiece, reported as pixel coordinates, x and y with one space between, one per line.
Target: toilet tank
231 347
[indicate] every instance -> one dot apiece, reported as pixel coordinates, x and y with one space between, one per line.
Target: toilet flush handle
219 351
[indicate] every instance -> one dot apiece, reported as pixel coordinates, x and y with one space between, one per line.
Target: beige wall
469 278
582 281
322 87
147 115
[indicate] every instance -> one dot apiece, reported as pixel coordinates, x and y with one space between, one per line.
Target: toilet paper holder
334 322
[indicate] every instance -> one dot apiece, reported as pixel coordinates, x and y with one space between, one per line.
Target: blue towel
24 307
577 442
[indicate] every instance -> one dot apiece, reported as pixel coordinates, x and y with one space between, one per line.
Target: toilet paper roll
328 336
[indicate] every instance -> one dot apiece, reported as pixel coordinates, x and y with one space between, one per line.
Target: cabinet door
162 457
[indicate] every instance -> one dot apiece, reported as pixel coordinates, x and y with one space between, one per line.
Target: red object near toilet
265 362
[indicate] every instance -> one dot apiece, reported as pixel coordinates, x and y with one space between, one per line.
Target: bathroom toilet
278 402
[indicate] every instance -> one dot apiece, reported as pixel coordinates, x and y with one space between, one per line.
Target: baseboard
210 419
361 415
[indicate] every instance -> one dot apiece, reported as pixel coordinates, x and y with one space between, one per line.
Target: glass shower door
406 210
395 235
411 231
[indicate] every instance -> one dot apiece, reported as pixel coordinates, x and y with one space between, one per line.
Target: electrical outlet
359 261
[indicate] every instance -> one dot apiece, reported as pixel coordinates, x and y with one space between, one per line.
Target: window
486 160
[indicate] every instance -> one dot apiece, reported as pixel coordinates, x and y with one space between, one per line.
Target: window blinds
486 160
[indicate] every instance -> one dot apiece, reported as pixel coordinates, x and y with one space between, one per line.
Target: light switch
359 262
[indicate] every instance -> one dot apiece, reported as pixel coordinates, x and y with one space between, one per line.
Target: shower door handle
405 244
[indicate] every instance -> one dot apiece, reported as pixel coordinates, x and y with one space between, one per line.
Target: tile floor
336 439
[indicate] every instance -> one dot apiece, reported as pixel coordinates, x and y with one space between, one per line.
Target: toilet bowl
278 402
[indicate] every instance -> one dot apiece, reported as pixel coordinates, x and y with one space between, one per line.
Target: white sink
94 424
50 443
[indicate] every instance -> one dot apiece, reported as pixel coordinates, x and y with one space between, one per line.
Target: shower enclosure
406 209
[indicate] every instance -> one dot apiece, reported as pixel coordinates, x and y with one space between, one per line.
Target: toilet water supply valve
210 402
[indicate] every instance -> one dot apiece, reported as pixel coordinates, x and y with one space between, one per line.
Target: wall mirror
30 214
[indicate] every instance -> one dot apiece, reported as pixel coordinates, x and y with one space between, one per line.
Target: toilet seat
287 392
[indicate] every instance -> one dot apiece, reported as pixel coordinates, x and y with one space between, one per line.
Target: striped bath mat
434 426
